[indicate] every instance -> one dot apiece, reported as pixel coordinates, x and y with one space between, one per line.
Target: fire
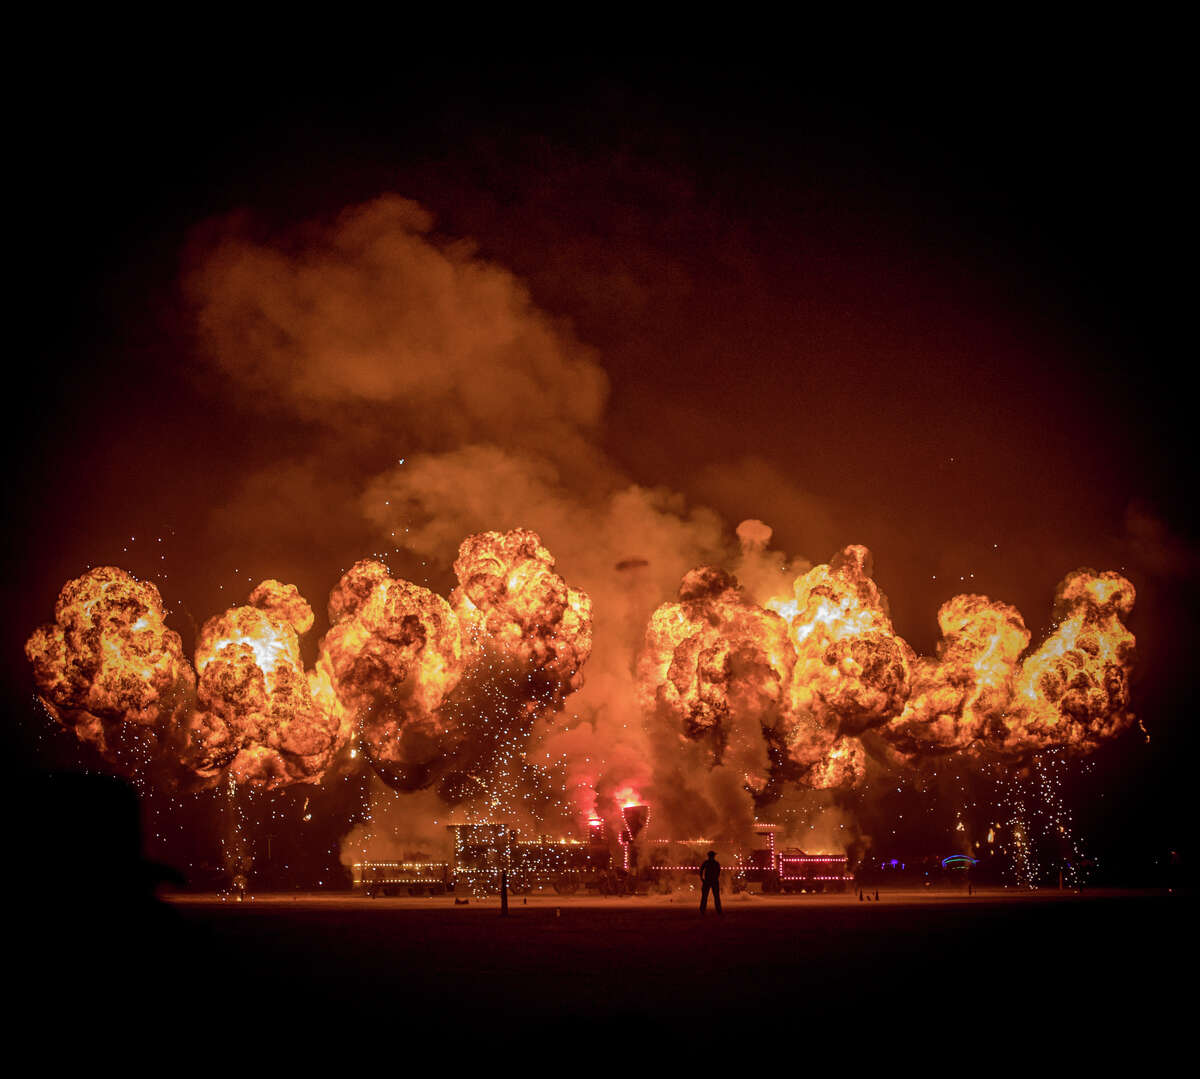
257 718
718 666
446 692
803 690
793 681
511 601
1074 690
812 673
392 654
109 669
851 671
959 694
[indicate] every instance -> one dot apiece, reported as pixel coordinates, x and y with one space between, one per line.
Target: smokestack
635 818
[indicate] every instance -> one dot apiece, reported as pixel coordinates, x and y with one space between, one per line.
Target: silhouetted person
710 881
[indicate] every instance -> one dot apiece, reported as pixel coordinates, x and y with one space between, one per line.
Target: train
491 854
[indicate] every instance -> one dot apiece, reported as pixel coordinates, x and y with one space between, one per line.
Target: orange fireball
391 656
1074 690
256 713
959 696
511 602
110 669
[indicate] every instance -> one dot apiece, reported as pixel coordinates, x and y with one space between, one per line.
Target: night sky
947 323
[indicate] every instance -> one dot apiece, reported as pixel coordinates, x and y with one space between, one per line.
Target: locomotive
487 852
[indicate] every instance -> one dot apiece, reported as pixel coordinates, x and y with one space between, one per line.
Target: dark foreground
1092 973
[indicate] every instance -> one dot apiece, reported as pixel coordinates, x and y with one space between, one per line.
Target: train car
800 872
484 853
401 878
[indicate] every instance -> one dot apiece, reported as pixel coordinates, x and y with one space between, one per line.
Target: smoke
760 680
371 311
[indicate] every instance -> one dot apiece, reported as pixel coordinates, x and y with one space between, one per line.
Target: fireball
1074 690
959 696
109 669
391 656
511 603
716 664
256 713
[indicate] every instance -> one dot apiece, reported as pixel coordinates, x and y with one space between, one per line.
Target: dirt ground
913 970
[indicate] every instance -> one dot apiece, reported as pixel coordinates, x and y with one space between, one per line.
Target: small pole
503 892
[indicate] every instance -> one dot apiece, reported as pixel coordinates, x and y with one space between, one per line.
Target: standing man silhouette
710 881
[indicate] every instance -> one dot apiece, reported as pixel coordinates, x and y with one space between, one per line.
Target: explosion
804 679
109 669
511 602
1074 690
717 666
446 693
959 695
794 682
392 654
740 702
257 717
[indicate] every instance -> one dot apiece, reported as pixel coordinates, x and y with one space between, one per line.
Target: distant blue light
959 859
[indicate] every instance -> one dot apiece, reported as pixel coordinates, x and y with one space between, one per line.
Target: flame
791 681
958 695
851 670
448 691
809 674
511 601
109 668
392 654
257 718
1072 691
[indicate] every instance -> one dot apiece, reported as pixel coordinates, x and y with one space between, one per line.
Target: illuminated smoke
109 669
746 691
